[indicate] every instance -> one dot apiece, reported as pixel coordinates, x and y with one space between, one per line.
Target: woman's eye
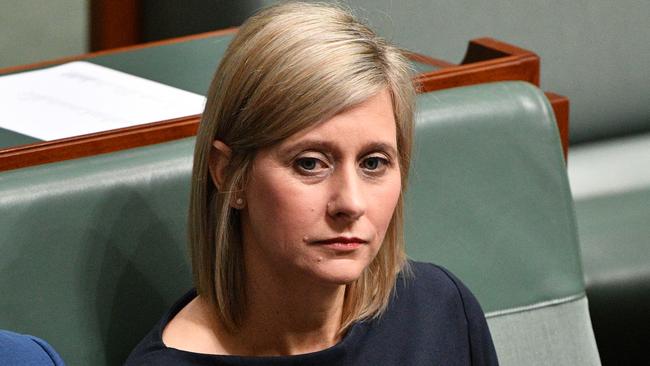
307 163
310 165
374 163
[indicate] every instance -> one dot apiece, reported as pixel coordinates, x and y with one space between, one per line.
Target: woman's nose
347 197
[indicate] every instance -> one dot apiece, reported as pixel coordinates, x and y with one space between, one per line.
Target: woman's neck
286 316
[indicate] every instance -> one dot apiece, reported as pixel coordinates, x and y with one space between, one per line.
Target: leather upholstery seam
539 305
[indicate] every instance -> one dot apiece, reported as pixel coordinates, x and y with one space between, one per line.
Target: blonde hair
290 66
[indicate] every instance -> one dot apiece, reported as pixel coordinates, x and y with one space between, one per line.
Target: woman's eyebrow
313 144
380 146
309 144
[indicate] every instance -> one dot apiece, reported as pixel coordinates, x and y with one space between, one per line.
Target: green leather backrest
93 250
489 196
489 199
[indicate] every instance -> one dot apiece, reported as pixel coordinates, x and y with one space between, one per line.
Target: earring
239 202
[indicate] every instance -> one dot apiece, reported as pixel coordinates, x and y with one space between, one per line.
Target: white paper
80 97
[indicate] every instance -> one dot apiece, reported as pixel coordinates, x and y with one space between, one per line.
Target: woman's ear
218 161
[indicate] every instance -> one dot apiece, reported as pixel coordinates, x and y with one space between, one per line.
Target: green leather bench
93 250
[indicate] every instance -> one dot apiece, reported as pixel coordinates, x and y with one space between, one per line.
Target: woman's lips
341 243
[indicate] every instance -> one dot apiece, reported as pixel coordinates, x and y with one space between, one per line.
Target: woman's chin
339 271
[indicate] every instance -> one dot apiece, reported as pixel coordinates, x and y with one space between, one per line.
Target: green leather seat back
93 250
489 199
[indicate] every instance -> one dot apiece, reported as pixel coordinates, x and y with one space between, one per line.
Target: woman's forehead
371 122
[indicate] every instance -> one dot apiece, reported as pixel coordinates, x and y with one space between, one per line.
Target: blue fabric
432 320
25 350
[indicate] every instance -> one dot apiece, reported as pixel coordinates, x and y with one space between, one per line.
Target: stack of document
78 98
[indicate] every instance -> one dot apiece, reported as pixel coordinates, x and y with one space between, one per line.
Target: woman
296 211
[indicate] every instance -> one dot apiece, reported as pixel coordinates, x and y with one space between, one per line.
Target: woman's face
318 204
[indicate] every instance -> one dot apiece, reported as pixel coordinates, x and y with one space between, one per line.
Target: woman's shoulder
432 316
429 276
435 286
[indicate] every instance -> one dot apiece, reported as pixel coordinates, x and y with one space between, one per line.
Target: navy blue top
432 319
